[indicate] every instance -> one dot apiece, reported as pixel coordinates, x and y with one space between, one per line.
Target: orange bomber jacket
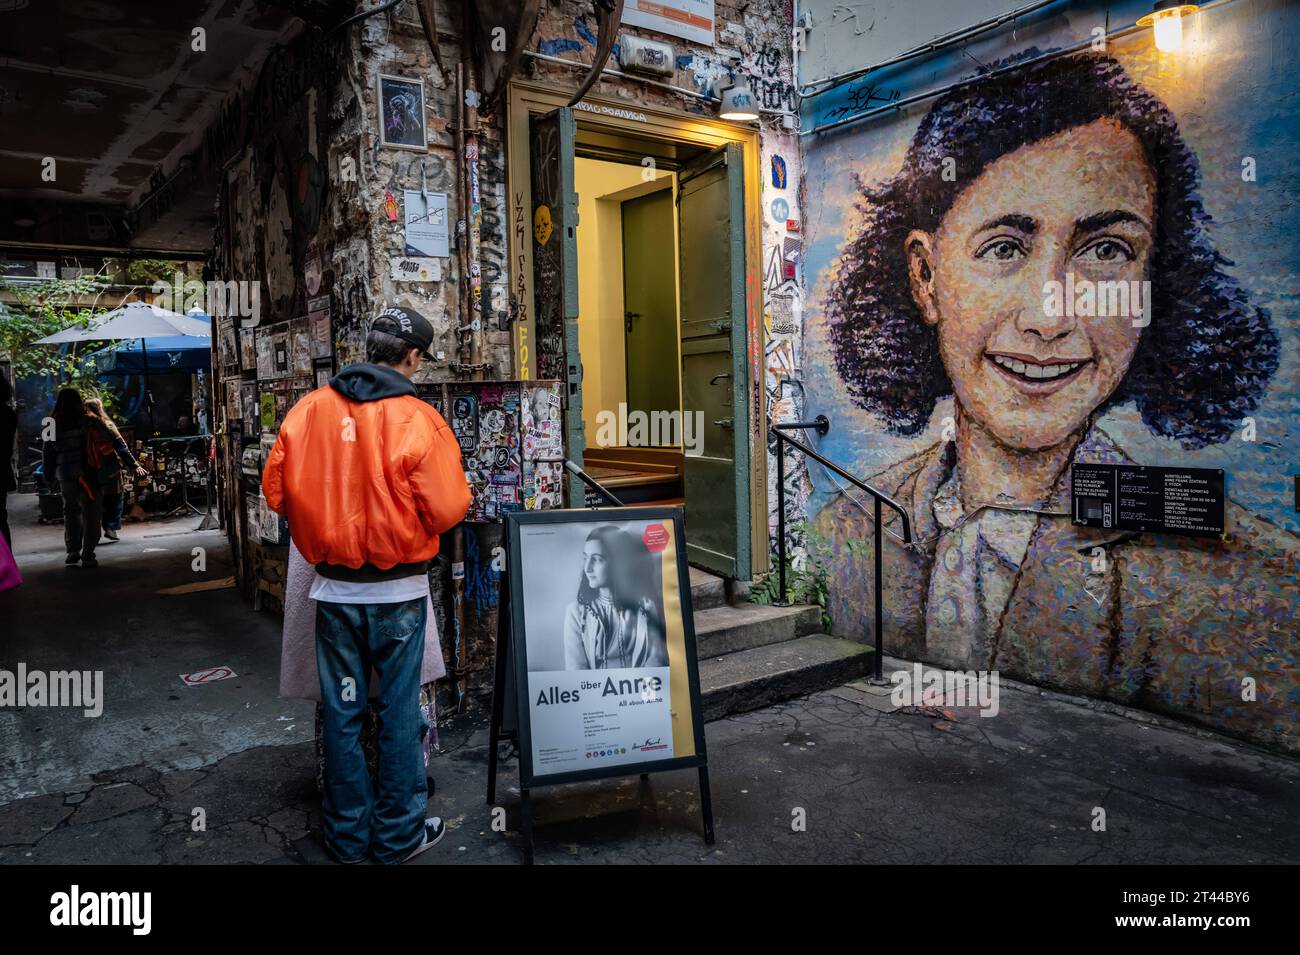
368 476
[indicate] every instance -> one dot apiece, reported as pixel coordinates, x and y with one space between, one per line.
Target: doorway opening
636 255
628 330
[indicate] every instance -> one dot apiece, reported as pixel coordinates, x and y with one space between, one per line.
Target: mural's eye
1108 250
1001 249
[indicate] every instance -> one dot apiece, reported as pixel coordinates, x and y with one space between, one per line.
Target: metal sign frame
510 697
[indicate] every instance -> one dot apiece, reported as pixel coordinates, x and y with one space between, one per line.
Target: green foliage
806 583
32 310
145 271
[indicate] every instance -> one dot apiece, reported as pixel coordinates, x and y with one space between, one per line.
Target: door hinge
725 423
721 324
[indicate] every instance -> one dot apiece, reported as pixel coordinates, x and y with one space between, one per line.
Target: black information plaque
1134 497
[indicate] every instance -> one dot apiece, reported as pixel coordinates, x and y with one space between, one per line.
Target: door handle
627 319
716 378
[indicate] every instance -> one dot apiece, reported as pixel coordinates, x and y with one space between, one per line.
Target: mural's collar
935 502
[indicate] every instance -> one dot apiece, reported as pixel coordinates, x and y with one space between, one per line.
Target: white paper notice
426 225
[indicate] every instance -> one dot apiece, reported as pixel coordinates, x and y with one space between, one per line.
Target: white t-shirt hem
399 590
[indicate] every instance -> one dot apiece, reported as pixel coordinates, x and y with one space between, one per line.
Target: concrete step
709 590
730 629
751 679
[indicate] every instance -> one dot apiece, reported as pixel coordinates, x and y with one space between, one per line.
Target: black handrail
821 425
592 483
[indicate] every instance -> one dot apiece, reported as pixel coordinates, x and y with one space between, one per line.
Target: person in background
112 454
369 476
65 462
74 458
8 431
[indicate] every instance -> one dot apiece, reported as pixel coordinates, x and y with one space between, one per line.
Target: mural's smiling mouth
1035 375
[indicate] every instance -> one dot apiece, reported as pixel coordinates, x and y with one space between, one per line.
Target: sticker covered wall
511 442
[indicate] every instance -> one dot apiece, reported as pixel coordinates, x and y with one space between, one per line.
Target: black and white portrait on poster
612 608
608 669
401 113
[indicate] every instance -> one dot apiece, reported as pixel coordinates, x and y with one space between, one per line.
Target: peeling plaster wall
320 98
261 240
397 46
283 214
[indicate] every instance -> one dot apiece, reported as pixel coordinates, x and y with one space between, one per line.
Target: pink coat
299 678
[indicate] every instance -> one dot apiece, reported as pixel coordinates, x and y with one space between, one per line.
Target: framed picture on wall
401 113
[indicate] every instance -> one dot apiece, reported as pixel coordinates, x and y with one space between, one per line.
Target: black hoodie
367 382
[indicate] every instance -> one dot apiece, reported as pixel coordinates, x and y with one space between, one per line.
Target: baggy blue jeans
351 639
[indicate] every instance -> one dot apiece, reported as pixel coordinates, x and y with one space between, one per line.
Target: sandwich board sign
596 672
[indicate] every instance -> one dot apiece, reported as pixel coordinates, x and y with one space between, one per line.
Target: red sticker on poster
655 537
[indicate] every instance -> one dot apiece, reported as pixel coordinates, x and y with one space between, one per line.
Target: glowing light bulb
1166 22
1168 29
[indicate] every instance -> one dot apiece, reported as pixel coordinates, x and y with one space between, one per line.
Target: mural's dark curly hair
1201 365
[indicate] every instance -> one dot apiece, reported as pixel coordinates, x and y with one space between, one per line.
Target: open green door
555 272
650 304
715 370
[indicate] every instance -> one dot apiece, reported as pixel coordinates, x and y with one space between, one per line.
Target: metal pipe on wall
610 71
470 225
474 224
460 652
462 224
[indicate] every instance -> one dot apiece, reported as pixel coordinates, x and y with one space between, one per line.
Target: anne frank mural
1042 256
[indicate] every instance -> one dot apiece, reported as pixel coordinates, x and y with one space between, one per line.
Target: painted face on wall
1075 207
542 225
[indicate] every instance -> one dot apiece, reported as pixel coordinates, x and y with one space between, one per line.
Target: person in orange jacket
368 476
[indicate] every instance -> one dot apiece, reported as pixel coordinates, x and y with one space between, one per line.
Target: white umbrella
131 321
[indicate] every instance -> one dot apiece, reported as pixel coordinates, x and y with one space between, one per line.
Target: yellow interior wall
600 281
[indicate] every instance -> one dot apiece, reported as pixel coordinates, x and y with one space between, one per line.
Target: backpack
101 456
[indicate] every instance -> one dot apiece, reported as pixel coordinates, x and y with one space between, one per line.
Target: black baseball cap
406 324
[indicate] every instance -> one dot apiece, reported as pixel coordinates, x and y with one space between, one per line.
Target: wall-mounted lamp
738 103
1166 22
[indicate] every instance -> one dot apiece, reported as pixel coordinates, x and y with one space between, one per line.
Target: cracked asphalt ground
873 787
869 783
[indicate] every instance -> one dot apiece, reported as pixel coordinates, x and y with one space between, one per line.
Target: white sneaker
434 830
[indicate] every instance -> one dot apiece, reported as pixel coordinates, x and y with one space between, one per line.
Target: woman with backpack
84 451
110 447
